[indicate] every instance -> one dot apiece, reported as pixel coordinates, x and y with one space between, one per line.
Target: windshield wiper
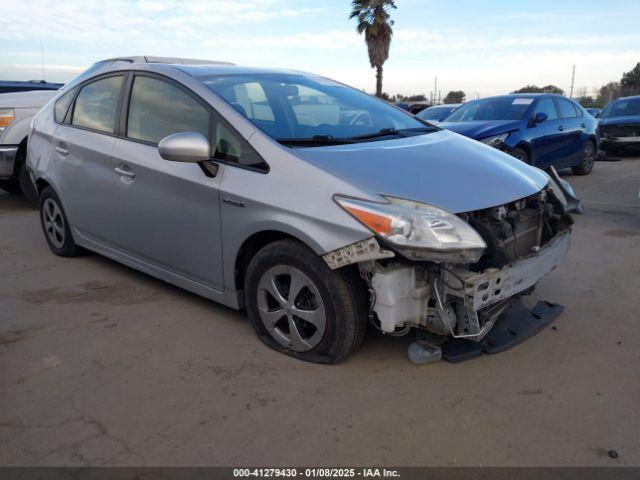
385 132
316 140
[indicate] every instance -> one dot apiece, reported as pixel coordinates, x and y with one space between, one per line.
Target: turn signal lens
7 116
379 224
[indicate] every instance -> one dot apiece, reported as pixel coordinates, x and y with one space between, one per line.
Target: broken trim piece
362 251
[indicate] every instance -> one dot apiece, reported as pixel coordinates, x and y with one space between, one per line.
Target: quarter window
566 108
547 106
158 109
97 103
230 147
62 105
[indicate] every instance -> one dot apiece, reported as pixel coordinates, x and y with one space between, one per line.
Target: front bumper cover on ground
514 326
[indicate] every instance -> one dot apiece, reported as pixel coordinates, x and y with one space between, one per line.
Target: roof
167 60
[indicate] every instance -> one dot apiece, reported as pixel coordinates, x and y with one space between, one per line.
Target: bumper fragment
7 160
514 326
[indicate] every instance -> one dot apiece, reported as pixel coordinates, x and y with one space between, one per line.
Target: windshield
502 108
435 113
296 108
622 108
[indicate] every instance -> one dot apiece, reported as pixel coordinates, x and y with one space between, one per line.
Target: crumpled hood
629 119
440 168
481 129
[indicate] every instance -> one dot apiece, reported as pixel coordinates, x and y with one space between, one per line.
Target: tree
608 92
454 96
536 89
375 22
630 82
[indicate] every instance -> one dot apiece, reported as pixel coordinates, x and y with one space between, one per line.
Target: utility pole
573 77
435 89
42 59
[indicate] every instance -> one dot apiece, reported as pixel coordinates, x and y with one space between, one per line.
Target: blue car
595 112
437 113
540 129
620 124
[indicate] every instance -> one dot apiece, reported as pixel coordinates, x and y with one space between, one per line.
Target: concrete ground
101 365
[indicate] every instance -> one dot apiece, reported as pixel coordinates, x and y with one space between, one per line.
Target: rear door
83 140
573 128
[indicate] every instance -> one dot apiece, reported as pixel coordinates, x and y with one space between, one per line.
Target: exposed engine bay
525 240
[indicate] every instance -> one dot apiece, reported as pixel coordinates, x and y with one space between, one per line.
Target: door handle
62 151
561 128
124 173
582 125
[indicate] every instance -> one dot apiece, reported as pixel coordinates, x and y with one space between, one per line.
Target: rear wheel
55 225
302 308
588 158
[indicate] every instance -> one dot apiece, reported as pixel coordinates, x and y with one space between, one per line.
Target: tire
588 159
337 299
26 185
521 155
11 186
55 225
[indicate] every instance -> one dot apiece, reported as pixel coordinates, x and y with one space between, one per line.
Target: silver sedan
318 208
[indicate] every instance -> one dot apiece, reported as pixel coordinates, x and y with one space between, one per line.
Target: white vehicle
16 111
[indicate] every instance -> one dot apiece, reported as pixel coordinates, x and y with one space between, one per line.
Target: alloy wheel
291 308
53 222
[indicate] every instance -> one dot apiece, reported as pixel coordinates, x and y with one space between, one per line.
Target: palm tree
375 22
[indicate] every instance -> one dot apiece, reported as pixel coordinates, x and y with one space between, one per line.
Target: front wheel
588 158
302 308
521 155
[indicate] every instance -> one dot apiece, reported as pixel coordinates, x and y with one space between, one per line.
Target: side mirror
597 115
540 117
190 147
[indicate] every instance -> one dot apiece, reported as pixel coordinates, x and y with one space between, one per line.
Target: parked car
313 205
594 112
16 112
620 124
438 113
539 129
12 86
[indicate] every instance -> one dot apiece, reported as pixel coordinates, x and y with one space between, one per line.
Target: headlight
496 140
7 115
417 230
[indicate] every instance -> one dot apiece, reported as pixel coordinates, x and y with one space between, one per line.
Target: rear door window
62 106
97 103
566 108
158 109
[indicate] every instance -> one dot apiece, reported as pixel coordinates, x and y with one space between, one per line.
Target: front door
167 213
547 138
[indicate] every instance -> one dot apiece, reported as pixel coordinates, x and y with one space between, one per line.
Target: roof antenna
42 60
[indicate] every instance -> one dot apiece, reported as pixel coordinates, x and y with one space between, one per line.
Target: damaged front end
463 293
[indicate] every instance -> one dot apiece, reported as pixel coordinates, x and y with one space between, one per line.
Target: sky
483 48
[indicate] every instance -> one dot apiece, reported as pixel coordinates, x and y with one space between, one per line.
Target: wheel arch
524 145
21 156
252 245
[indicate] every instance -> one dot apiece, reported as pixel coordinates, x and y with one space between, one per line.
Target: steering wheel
362 118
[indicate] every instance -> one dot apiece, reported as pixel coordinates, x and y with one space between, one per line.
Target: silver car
316 207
